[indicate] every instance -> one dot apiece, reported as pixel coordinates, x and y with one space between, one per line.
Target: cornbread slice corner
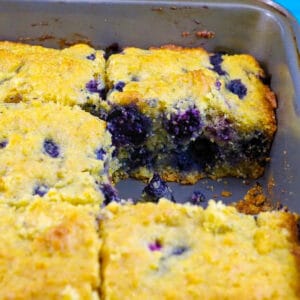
75 75
49 251
173 251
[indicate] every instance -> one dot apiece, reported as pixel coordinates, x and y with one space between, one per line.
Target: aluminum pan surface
268 33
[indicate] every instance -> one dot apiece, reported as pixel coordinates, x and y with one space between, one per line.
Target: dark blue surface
293 6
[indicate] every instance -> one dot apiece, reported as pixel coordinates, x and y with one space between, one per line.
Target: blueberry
156 189
3 144
156 246
109 192
197 197
237 87
204 151
40 190
221 129
51 148
184 160
183 126
100 153
119 86
112 49
218 85
96 86
179 250
256 146
128 125
92 56
140 157
216 60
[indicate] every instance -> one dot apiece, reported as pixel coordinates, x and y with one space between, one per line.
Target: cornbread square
49 251
75 75
189 114
55 152
173 251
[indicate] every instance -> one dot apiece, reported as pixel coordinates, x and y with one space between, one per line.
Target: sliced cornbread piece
70 76
53 151
188 114
173 251
49 250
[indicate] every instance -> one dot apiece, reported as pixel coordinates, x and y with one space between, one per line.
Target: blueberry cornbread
74 75
189 114
55 152
174 251
49 250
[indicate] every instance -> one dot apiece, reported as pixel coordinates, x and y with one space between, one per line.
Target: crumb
205 34
185 34
226 194
159 9
254 202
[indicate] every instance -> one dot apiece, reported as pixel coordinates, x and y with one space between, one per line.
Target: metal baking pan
260 28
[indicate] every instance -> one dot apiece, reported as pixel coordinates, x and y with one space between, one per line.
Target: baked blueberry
119 86
3 144
100 153
140 157
112 49
51 148
216 60
197 197
128 125
109 192
237 87
156 189
184 160
155 246
96 86
221 129
179 250
40 190
92 56
204 151
184 125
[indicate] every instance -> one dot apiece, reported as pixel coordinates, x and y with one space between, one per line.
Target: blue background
292 5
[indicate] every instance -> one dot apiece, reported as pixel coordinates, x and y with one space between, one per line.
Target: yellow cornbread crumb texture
171 251
72 175
49 251
36 73
184 77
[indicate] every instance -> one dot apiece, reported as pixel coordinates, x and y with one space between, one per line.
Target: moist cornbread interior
189 114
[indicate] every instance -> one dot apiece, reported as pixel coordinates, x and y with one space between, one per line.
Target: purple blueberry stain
216 60
3 144
119 86
221 129
237 87
218 84
40 190
184 160
179 250
184 125
128 125
100 153
198 197
96 86
92 56
156 189
51 148
109 192
155 246
140 156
